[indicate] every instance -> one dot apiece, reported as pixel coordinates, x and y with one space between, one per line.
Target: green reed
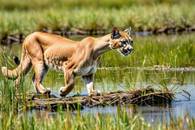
45 4
51 15
171 51
123 119
15 116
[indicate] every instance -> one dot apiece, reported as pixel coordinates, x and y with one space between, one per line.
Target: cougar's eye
131 42
123 43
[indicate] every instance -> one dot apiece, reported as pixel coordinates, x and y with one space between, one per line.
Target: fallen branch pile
147 96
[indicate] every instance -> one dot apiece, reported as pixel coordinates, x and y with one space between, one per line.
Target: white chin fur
120 52
123 53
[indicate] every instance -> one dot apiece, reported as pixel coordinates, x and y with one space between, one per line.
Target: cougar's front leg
88 80
69 83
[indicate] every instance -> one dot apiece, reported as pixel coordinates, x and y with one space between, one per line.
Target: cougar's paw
62 93
4 70
46 91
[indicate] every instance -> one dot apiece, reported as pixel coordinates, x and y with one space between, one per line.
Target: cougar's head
122 41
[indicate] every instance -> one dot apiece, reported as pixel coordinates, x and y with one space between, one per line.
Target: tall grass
87 17
46 4
171 51
12 118
123 120
26 16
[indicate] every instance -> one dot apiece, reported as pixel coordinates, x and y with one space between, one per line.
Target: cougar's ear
115 33
128 30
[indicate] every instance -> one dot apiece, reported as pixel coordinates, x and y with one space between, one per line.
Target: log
146 96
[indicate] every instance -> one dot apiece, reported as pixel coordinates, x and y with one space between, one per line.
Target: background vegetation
26 16
170 51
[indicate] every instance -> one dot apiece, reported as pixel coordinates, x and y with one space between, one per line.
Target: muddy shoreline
18 38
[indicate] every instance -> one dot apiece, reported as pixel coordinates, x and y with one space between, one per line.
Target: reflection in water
179 108
153 114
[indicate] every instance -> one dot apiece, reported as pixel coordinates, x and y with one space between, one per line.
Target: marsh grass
123 119
13 116
45 4
21 17
173 51
87 17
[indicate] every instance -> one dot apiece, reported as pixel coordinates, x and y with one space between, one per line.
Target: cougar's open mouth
126 52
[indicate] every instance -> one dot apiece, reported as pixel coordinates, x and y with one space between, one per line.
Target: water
181 106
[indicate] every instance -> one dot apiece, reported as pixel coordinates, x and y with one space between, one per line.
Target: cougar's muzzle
126 47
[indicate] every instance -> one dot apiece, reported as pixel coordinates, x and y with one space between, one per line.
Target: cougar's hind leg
40 70
26 66
35 52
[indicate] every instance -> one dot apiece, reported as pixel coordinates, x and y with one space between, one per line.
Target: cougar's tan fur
75 58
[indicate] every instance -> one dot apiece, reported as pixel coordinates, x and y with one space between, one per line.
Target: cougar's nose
130 49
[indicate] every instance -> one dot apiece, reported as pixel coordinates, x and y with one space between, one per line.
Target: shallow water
180 107
182 104
107 80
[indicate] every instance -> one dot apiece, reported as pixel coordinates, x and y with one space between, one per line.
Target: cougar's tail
22 68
